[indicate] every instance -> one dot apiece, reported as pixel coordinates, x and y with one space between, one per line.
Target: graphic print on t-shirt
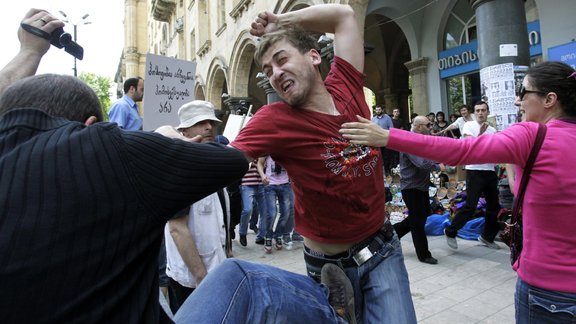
349 160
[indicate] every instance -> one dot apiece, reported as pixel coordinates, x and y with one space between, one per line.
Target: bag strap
527 170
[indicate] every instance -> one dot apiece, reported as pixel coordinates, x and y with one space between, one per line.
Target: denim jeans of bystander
536 305
285 197
249 195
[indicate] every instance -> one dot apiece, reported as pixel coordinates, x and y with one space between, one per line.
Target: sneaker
288 243
268 245
254 228
278 244
451 241
297 238
259 241
243 240
341 294
491 245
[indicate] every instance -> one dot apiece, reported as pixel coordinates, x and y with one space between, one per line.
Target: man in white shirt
465 117
480 178
196 238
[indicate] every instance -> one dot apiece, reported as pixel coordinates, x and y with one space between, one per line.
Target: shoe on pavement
254 228
429 260
278 244
297 238
268 245
259 241
341 294
288 243
489 244
451 241
243 241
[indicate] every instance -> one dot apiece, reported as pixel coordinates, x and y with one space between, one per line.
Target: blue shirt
124 112
383 121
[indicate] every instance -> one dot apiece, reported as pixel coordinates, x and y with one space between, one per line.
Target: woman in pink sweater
546 287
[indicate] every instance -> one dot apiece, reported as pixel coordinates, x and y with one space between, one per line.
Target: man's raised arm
32 47
328 18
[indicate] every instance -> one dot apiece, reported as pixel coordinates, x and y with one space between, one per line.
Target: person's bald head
421 125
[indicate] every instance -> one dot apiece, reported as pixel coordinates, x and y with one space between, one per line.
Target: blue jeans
536 305
381 287
285 198
249 195
239 291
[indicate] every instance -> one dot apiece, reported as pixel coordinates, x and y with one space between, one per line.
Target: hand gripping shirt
338 187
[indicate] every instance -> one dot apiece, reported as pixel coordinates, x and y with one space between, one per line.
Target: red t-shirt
338 187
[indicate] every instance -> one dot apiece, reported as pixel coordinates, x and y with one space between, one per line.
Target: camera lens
65 39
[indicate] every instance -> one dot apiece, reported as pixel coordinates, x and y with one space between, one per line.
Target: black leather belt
356 255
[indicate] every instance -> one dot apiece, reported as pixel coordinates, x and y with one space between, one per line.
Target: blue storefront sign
464 59
563 53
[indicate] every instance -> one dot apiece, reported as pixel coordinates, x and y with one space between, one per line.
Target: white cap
194 112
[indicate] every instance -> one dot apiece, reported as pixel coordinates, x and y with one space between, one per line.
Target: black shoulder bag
512 233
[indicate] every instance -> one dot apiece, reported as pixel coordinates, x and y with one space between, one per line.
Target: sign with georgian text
168 84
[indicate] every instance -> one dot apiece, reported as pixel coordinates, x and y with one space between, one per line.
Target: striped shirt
252 177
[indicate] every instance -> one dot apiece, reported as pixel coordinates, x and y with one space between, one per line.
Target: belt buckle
362 256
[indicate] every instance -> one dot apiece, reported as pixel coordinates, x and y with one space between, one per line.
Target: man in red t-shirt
338 187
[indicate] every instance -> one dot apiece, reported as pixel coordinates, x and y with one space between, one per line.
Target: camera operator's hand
32 47
42 20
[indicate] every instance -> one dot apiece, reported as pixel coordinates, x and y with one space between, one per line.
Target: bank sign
563 53
464 59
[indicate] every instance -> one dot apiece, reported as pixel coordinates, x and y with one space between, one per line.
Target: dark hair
441 113
303 40
465 106
413 115
131 82
453 115
431 113
481 102
57 95
555 77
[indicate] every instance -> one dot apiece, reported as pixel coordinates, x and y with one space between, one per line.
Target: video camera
58 38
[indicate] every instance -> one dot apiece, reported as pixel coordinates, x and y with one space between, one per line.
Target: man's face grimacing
481 112
205 128
291 73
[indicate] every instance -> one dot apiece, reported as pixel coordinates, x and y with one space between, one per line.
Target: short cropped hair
131 82
57 95
482 102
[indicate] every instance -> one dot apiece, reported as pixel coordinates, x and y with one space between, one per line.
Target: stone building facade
405 45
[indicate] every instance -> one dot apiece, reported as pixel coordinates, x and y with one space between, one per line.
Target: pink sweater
548 259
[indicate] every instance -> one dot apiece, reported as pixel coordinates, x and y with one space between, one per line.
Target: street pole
75 69
75 33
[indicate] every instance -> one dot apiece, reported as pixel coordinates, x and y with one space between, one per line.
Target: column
271 95
501 22
131 56
418 70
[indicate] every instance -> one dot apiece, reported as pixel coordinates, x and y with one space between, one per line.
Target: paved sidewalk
473 284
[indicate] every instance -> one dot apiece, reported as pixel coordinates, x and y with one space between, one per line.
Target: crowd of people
89 205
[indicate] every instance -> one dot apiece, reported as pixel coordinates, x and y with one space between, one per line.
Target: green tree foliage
101 86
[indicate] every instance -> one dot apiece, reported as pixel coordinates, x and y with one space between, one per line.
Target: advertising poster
499 91
168 84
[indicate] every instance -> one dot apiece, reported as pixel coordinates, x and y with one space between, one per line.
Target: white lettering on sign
457 60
